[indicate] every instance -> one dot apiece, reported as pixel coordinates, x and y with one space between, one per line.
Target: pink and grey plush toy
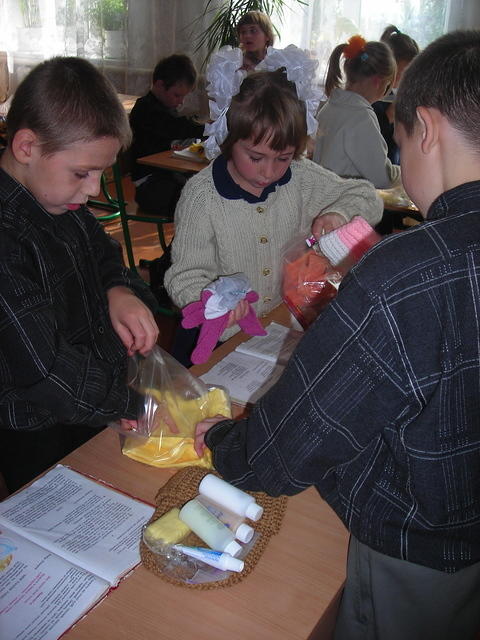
211 312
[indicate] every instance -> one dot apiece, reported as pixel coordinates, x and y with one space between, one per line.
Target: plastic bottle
217 559
230 497
233 521
208 528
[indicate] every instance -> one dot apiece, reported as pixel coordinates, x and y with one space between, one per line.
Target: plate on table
189 155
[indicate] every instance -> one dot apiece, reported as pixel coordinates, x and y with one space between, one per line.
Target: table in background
168 160
399 211
288 595
128 101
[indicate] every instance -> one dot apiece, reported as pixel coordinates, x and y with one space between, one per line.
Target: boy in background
379 407
155 124
70 312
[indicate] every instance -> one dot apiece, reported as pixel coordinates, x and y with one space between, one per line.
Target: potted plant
29 36
109 18
108 15
222 28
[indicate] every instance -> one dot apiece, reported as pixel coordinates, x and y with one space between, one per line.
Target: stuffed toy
211 312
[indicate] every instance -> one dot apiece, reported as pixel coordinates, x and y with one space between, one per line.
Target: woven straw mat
181 488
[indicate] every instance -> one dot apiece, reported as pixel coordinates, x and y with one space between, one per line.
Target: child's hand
326 223
128 425
200 431
132 320
238 313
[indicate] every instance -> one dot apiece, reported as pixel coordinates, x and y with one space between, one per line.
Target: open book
255 365
64 542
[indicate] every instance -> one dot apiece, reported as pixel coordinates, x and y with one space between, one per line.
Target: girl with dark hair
404 50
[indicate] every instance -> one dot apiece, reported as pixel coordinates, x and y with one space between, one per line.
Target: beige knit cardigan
215 236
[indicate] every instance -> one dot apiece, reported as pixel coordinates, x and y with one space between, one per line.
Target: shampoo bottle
233 521
208 528
230 497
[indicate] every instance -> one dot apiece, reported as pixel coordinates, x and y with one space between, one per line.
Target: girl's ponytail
404 47
361 59
333 78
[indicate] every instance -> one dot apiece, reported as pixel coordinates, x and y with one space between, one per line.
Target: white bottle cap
233 548
254 511
244 532
232 564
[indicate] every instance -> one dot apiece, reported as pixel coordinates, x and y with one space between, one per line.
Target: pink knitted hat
352 239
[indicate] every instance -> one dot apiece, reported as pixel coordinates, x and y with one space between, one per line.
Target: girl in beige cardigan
239 213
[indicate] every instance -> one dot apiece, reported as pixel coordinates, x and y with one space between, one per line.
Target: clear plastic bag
181 568
309 281
172 401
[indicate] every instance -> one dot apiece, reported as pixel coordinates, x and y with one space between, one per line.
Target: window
322 24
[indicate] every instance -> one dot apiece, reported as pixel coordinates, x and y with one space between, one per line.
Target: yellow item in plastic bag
168 529
175 416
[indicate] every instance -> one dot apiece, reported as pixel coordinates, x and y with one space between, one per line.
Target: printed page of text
41 595
89 524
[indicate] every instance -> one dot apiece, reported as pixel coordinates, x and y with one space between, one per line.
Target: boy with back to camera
155 124
379 407
69 311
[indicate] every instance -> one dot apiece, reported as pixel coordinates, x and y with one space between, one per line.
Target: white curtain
320 25
127 47
125 38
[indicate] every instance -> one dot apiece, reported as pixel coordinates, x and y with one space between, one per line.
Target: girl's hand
238 313
132 320
200 431
326 223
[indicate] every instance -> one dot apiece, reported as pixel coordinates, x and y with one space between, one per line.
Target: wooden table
128 101
399 211
287 596
168 160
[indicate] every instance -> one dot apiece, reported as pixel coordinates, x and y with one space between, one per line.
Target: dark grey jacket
379 408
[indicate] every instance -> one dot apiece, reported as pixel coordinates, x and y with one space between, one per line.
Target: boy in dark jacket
379 407
70 312
155 124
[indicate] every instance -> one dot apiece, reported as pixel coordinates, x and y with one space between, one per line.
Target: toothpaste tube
217 559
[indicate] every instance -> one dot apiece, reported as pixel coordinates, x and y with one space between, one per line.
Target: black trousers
25 454
184 342
160 193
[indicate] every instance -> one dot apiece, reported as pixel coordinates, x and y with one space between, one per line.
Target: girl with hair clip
349 141
238 214
404 50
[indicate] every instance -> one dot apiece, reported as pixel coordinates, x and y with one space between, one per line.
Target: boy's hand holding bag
172 402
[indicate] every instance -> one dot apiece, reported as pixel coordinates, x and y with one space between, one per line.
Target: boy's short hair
260 19
173 69
267 104
66 100
445 76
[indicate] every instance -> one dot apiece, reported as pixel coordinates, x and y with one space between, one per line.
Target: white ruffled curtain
125 38
319 25
127 47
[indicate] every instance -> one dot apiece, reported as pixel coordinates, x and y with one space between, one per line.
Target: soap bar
168 529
